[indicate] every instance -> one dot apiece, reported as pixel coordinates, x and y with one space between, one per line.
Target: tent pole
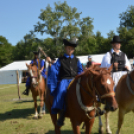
17 73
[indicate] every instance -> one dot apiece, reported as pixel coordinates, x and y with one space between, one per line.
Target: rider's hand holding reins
48 59
116 65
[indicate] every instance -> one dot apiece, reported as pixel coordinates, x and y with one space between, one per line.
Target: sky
18 17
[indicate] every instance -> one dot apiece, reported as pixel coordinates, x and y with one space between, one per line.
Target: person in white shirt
119 60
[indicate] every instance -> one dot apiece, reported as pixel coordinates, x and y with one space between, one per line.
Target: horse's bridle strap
85 108
108 95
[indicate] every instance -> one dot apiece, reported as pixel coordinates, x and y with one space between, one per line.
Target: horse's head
33 71
103 84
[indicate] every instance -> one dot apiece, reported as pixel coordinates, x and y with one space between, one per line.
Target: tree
63 22
127 18
6 48
126 31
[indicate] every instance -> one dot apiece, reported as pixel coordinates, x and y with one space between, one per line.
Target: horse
125 97
124 94
81 98
37 88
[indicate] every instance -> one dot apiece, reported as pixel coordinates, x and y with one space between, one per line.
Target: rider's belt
124 69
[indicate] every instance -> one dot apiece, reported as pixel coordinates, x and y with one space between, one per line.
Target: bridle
90 92
34 77
93 87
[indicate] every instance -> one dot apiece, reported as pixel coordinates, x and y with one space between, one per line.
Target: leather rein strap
101 96
85 108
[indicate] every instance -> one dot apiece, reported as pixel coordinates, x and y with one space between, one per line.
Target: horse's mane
95 68
34 64
86 72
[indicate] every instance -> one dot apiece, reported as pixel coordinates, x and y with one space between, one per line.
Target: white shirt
106 61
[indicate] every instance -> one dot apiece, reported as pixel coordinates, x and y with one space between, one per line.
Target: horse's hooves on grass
43 113
35 117
109 132
40 116
101 130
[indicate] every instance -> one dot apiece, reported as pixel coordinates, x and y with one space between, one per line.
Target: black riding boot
60 121
26 92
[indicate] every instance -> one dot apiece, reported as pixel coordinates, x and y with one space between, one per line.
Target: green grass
16 116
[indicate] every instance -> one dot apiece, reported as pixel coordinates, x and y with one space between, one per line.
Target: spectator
89 63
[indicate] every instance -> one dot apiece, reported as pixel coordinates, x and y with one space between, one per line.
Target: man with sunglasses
119 60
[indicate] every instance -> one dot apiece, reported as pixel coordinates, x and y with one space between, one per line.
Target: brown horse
81 98
37 88
125 97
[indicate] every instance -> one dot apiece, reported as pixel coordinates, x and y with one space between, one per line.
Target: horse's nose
113 108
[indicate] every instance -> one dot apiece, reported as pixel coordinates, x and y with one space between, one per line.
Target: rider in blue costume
42 70
60 74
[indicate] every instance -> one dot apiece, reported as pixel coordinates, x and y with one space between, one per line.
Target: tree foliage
6 55
64 21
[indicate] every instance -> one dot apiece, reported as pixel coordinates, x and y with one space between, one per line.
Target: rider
60 75
89 63
118 59
42 70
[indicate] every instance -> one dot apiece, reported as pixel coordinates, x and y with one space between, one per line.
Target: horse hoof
35 117
108 131
101 130
40 116
43 112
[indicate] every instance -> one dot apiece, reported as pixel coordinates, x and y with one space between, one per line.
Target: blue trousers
59 98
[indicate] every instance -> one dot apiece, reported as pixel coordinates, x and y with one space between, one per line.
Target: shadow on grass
65 132
19 113
16 113
24 101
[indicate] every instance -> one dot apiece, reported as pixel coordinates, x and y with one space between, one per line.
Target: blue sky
17 17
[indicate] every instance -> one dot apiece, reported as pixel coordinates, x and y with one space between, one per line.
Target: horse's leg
100 126
89 125
108 130
41 105
35 106
76 127
120 119
44 109
54 120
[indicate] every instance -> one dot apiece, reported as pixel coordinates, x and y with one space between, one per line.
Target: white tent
95 57
8 72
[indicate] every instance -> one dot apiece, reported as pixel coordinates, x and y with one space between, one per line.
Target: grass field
16 116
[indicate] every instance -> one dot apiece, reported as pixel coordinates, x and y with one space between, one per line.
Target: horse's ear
27 65
110 68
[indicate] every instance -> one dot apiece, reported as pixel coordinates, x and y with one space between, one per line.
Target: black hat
116 39
72 42
36 52
53 59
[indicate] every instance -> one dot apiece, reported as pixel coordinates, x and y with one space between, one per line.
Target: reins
90 93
